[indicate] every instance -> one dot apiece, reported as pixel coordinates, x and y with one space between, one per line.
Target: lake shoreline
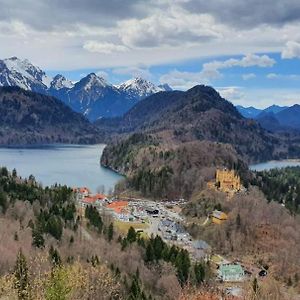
73 165
275 164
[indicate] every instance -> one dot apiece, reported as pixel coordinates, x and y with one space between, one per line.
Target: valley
148 199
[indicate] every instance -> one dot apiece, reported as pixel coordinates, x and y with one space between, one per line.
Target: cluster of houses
169 228
120 209
175 232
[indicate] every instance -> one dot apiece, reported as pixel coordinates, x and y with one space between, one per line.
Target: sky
248 50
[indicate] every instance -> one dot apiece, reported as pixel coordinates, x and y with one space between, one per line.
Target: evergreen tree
110 233
21 276
183 264
150 256
199 271
54 257
37 237
55 227
131 235
136 291
3 201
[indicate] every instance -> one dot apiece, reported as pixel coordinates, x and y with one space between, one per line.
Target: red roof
99 197
115 204
89 200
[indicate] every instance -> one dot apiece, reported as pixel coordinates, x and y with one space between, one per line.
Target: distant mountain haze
274 118
92 96
252 112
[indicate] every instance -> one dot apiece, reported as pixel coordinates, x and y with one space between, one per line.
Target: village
163 218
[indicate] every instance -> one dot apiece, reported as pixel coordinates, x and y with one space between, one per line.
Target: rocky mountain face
21 73
31 118
92 95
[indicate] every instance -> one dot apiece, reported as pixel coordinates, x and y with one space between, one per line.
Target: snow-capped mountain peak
60 82
17 72
93 96
92 80
139 87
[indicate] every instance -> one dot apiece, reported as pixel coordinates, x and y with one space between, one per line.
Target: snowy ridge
59 82
16 72
92 96
139 87
92 80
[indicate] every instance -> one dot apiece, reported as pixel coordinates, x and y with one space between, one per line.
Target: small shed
218 217
201 250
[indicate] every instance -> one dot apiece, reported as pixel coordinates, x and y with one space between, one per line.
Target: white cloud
291 50
183 80
272 76
249 60
211 71
171 27
262 98
283 76
105 48
134 71
232 93
102 74
163 31
248 76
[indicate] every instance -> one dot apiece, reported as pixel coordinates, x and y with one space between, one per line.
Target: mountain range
274 118
197 114
92 96
252 112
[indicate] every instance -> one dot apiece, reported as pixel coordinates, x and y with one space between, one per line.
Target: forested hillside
31 118
257 231
196 115
49 251
281 185
170 144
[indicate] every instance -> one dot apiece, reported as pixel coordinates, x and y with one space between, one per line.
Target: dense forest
48 251
170 144
162 170
281 185
31 118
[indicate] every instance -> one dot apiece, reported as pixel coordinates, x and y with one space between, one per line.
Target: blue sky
250 85
248 50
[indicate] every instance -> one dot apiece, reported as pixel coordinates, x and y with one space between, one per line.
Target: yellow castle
228 181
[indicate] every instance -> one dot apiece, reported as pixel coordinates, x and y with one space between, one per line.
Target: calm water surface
273 164
73 165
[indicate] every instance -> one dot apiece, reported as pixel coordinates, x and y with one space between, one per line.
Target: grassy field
123 227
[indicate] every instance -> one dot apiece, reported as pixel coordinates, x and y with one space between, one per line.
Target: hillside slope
172 142
31 118
196 115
